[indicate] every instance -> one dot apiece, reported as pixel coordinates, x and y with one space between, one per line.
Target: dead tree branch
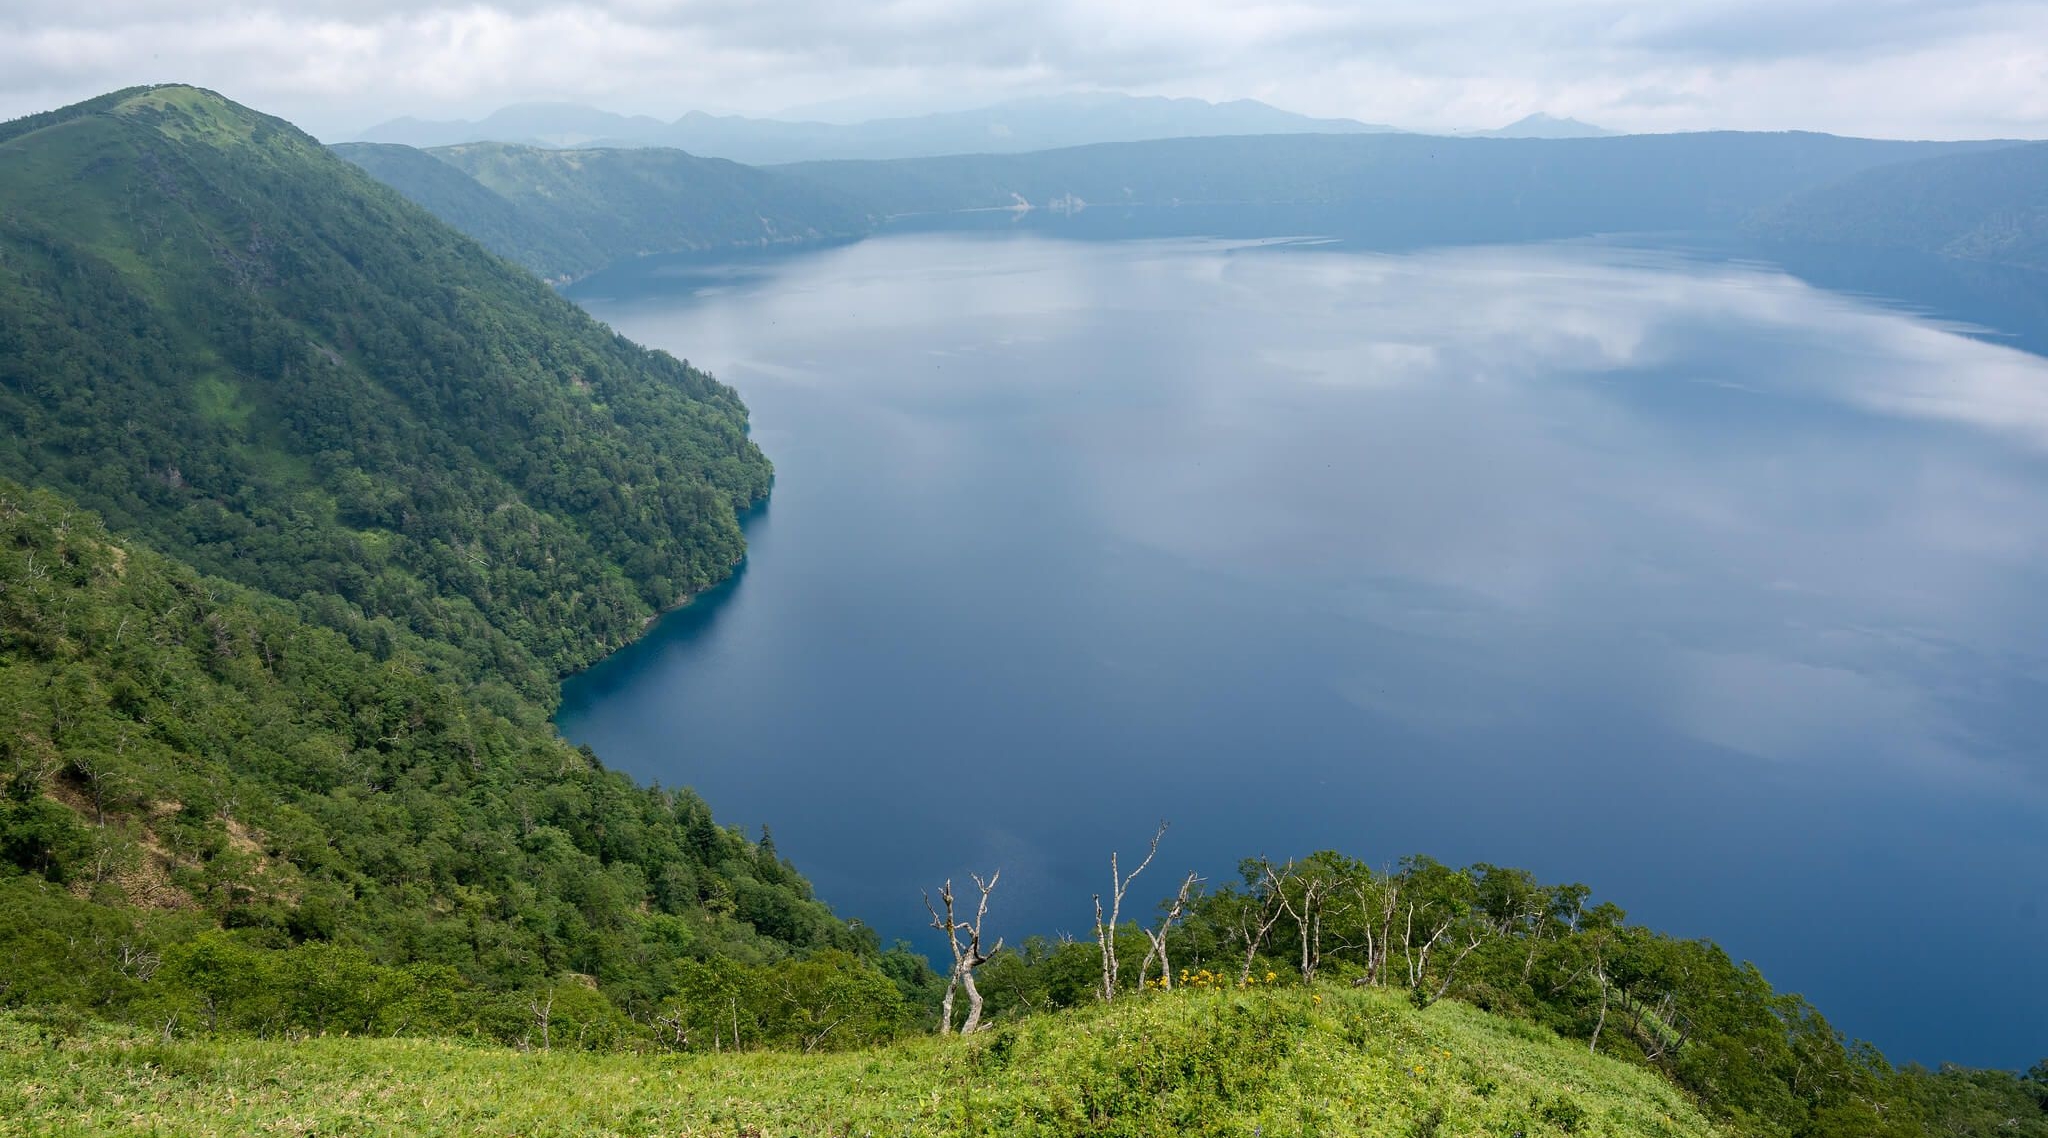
1105 933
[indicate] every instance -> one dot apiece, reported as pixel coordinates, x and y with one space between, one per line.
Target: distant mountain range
1006 128
567 213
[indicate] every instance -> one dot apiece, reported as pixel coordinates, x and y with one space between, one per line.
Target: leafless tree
1417 956
1105 933
137 962
1260 913
967 953
1473 939
1596 969
812 1039
1378 898
673 1029
543 1017
1158 937
1308 912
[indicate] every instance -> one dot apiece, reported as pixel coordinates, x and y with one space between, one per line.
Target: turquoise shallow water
1681 577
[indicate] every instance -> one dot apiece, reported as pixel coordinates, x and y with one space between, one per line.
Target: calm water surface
1717 591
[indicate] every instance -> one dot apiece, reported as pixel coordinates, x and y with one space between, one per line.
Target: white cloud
1884 67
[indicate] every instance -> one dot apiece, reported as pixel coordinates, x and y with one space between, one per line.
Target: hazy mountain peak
1541 125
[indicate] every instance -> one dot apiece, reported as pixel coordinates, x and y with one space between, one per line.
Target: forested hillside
247 353
275 752
564 213
181 756
551 249
1977 207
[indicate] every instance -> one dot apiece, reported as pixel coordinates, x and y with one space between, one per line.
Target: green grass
1281 1062
219 399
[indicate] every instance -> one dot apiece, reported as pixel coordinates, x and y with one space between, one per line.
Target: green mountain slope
243 350
515 233
1980 207
565 213
308 785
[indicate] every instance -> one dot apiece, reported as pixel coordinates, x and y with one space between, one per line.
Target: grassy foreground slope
1276 1062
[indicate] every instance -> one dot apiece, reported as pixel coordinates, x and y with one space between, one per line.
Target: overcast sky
1901 68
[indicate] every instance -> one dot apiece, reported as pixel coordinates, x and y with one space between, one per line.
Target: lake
1669 573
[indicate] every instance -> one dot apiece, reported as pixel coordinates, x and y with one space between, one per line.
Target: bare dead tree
950 927
1376 895
1158 938
1600 974
1316 890
813 1039
1417 957
1596 968
1105 933
543 1016
1473 941
967 953
1539 910
673 1029
137 962
1261 912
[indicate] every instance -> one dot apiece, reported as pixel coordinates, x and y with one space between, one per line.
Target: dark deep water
1674 575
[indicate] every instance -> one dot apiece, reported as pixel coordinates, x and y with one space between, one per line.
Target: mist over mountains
1015 126
566 213
1010 127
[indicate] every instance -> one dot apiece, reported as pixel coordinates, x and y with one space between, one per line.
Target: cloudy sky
1902 68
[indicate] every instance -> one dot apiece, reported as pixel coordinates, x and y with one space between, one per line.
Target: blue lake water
1674 575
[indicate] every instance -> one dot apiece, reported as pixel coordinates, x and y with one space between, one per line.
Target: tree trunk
973 1002
946 1005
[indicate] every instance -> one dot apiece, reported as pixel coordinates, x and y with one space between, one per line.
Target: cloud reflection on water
1683 577
1562 437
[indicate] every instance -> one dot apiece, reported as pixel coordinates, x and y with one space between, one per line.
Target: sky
1887 68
